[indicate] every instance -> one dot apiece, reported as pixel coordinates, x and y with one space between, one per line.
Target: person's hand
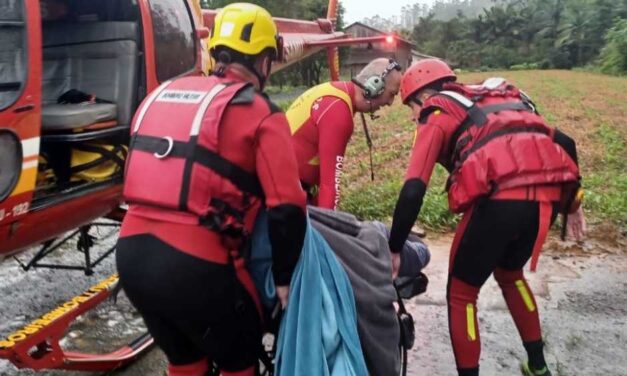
283 292
576 226
396 264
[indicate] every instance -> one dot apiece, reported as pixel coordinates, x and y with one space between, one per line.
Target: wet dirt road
581 294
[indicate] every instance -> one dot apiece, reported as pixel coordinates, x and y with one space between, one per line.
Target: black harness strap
511 106
160 145
187 172
453 144
478 116
242 179
488 138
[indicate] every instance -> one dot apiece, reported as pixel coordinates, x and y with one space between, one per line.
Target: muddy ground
581 291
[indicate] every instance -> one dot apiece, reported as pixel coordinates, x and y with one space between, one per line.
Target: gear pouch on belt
406 321
408 332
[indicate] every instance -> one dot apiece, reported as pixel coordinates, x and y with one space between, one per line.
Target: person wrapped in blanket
364 255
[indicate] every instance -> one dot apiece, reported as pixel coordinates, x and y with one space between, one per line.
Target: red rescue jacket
501 142
174 159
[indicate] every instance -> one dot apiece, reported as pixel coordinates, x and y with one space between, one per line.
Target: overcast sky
357 10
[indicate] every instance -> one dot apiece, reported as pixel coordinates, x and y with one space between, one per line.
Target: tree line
534 34
506 34
442 10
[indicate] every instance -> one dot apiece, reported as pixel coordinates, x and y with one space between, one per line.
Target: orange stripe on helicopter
27 181
28 177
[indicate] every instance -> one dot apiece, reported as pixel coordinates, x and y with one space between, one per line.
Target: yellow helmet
245 28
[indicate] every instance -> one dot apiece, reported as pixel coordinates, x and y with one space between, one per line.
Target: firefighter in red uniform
204 154
510 174
321 121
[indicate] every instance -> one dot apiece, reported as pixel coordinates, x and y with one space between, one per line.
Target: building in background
360 55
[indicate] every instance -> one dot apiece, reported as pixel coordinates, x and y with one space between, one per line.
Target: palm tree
573 32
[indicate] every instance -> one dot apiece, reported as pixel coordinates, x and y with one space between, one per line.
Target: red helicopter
62 160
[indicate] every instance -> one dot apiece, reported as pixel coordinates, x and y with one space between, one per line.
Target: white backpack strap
475 114
457 97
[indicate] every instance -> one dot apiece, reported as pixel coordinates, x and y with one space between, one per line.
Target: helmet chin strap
260 77
226 58
262 80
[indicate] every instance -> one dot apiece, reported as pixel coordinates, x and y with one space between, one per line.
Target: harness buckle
167 152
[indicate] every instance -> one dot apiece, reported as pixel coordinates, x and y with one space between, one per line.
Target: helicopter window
175 46
10 162
89 10
12 40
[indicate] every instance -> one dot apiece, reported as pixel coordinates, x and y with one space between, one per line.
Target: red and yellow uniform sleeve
335 128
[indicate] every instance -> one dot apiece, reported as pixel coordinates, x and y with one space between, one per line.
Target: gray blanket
366 257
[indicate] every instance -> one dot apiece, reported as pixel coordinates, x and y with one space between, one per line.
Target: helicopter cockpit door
20 107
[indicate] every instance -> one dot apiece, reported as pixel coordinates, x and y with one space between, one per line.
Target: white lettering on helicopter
20 209
16 211
62 310
181 96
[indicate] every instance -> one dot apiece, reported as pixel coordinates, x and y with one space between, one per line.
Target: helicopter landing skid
84 244
36 346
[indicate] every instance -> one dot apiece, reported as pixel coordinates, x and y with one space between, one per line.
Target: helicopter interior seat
95 58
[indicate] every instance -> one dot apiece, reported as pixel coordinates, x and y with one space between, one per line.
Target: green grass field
590 107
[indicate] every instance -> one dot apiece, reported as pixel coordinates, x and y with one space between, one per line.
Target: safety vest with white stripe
174 161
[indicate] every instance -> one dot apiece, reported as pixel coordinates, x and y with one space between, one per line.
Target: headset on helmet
372 88
375 85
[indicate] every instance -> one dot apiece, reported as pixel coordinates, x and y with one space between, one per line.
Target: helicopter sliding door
20 107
